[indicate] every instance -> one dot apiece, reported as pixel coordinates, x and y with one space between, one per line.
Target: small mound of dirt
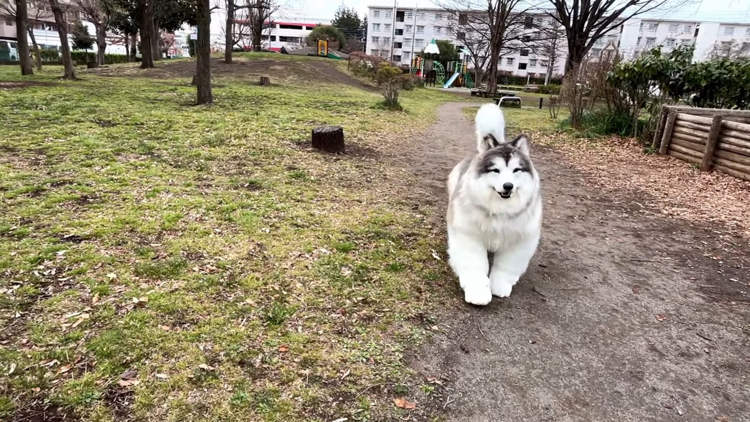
302 71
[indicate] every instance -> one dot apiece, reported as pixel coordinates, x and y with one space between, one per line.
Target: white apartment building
406 32
709 38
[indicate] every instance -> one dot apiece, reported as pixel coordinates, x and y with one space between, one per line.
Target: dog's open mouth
505 195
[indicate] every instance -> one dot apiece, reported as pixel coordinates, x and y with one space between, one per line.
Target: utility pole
393 31
413 34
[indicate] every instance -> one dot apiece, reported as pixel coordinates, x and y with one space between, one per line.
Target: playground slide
451 80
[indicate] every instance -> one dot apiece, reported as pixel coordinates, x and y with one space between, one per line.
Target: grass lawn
163 261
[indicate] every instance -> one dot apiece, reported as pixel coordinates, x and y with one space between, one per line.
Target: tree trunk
203 50
62 31
101 43
155 41
37 51
127 46
147 19
229 33
492 70
133 46
23 41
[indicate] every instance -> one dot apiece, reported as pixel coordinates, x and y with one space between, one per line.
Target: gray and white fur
495 205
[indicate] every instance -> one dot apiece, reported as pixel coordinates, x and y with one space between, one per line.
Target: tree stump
328 138
264 80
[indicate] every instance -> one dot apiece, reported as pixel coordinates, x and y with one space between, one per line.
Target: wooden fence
707 137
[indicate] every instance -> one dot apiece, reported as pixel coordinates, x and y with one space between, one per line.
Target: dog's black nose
507 186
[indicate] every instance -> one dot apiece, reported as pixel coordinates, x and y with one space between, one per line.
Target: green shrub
50 55
329 33
602 122
81 58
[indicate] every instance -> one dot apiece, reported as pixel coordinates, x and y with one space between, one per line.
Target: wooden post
660 127
667 135
713 139
541 102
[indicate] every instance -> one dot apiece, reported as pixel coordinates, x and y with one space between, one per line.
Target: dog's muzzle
507 190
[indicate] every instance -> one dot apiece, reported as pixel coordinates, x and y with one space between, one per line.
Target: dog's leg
509 265
468 258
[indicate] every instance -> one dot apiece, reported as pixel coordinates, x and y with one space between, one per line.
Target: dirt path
624 314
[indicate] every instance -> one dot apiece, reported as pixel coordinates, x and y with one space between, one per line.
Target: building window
532 62
418 43
388 14
387 27
405 55
396 58
461 35
543 63
728 30
420 15
688 29
399 32
650 42
437 29
375 39
374 52
396 45
407 28
524 52
673 28
375 27
386 40
438 16
670 42
376 14
747 32
290 26
10 22
409 15
521 66
420 29
652 27
463 19
509 60
528 22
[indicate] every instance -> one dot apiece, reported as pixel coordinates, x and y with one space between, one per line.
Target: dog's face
507 171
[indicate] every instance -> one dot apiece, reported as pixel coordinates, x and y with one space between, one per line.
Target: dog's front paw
478 295
502 284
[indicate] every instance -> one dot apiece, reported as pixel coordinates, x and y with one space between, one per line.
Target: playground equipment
439 72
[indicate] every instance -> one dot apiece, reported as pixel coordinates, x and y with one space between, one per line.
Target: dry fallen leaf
283 348
661 317
205 367
63 369
127 383
162 376
403 403
12 369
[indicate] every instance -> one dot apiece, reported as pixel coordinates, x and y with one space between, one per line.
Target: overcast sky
735 11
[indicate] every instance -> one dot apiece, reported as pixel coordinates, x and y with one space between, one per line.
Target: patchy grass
527 118
160 260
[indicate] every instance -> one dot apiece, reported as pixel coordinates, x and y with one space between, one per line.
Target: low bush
82 57
552 89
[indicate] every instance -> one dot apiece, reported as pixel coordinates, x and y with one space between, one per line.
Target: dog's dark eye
519 169
495 170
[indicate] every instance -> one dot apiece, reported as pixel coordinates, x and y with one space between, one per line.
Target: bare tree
203 51
475 44
550 45
259 12
59 12
98 13
23 42
586 21
501 22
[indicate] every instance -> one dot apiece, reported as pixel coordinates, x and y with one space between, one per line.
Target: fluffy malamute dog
495 206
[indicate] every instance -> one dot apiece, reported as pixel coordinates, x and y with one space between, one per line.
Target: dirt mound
289 71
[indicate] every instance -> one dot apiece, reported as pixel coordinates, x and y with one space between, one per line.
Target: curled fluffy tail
490 127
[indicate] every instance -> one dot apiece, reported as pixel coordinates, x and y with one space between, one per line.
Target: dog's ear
521 143
489 142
